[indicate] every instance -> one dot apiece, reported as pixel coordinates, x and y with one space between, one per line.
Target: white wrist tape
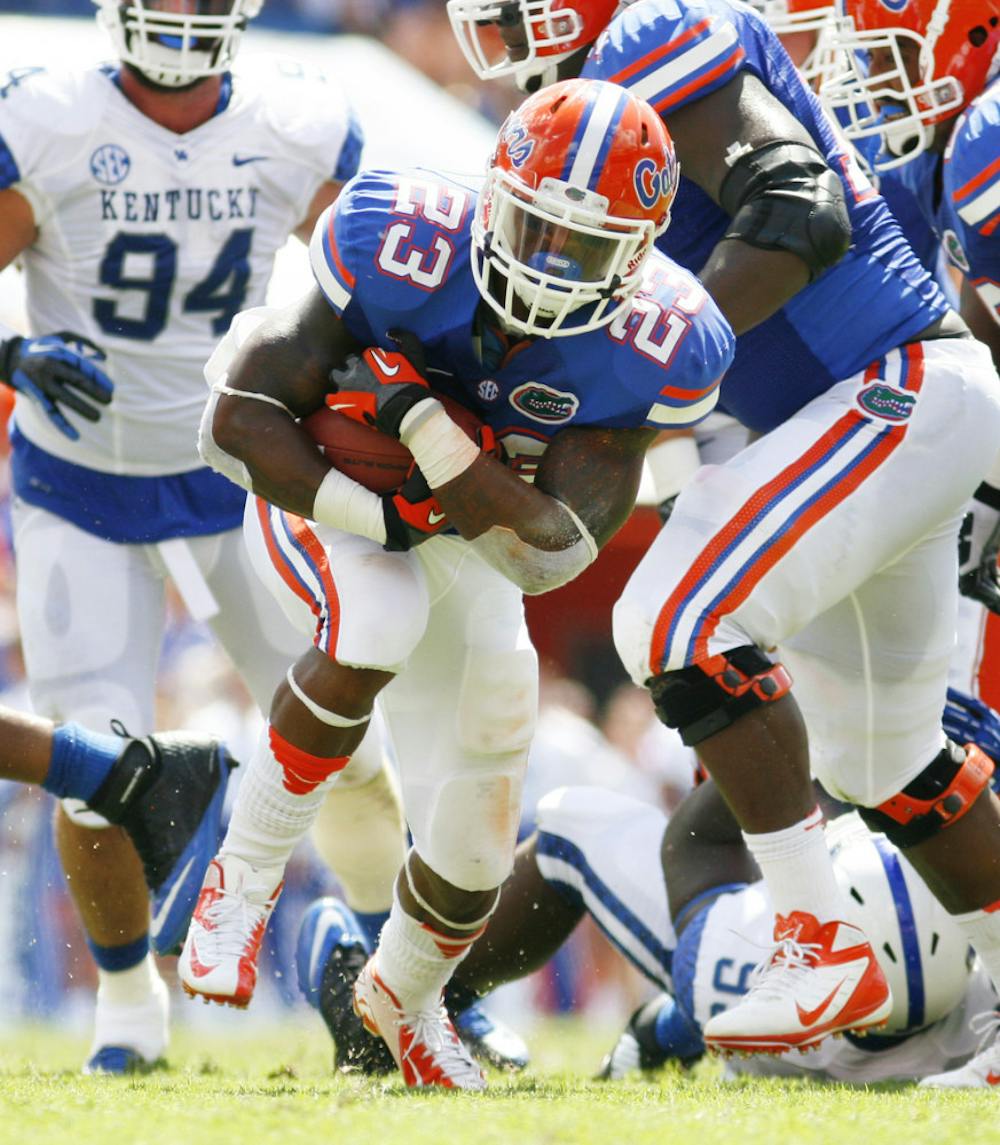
672 463
441 448
344 504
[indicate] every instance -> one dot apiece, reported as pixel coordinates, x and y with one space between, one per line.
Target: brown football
372 458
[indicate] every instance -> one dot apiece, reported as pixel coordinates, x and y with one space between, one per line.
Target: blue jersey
960 195
673 52
394 251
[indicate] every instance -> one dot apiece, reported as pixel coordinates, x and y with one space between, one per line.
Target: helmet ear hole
978 36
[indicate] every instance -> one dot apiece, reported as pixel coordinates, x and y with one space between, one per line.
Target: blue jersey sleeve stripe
350 154
10 173
707 80
703 60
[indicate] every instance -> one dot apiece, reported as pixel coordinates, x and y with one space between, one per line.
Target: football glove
412 514
978 547
381 386
58 371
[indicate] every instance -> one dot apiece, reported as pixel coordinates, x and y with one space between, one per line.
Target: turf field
275 1086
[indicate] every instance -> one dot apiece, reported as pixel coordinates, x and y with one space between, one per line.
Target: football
372 458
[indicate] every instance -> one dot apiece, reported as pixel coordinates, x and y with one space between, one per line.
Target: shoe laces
781 970
433 1031
230 923
987 1025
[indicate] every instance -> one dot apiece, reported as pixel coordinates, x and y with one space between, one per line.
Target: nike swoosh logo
434 517
165 907
243 160
384 366
198 968
809 1017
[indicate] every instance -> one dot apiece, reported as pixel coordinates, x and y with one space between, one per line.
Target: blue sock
120 957
371 925
81 761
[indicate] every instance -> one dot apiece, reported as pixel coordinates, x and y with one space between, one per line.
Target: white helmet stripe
595 135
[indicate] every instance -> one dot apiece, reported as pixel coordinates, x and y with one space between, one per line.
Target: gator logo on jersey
542 403
110 164
887 403
953 249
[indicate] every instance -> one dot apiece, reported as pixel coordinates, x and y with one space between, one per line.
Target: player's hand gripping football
58 371
979 547
412 514
381 386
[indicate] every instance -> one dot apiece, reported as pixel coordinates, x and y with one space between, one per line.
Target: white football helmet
923 954
175 43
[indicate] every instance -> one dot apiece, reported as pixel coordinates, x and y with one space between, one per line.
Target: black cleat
167 792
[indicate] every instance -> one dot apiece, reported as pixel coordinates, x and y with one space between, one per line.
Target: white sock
982 929
129 987
416 962
798 870
276 802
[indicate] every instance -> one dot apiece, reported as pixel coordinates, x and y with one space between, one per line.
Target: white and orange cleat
819 980
219 959
981 1071
423 1043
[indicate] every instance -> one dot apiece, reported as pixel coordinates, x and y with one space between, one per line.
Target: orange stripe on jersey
342 270
310 544
977 181
689 395
682 93
659 53
280 561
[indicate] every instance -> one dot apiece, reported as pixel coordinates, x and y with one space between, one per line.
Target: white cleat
819 980
219 959
132 1038
981 1071
423 1043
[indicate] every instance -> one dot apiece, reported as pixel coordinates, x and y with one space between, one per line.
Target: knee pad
938 797
467 830
709 696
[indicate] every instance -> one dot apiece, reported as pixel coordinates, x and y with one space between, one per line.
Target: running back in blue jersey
394 251
674 52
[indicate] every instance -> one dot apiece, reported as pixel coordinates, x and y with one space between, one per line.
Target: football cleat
167 792
329 956
219 959
818 980
981 1071
423 1043
130 1039
490 1040
656 1033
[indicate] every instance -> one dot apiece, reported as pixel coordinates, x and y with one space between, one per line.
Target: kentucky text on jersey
213 203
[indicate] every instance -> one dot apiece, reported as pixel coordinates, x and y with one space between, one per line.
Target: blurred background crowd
595 727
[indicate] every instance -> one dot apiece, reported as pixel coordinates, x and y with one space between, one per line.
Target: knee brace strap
331 719
477 927
709 696
938 797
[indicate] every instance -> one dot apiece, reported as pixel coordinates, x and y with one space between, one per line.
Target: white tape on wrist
672 463
441 448
344 504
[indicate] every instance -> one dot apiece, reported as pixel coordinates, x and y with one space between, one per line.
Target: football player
917 81
535 297
808 539
145 200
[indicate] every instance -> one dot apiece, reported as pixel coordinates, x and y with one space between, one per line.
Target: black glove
978 547
55 371
381 386
412 514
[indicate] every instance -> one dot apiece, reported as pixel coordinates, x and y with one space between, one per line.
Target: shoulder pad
46 118
669 52
307 111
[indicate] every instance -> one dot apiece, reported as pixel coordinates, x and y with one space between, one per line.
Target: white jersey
602 850
149 242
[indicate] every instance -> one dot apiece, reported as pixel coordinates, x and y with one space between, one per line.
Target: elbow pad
534 570
783 196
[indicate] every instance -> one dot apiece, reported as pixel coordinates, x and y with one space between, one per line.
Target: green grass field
276 1086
